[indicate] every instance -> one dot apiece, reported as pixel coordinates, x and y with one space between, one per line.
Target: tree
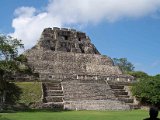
123 64
147 90
8 61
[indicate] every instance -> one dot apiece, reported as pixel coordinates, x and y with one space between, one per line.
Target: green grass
76 115
31 92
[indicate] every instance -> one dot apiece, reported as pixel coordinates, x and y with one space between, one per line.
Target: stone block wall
96 105
71 63
66 40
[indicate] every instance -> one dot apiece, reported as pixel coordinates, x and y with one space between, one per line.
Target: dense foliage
9 63
13 93
147 90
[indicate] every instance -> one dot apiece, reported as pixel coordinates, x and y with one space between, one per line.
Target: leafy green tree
147 90
8 61
157 76
123 64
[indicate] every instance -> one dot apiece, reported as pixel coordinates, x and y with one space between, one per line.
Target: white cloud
29 22
25 11
28 27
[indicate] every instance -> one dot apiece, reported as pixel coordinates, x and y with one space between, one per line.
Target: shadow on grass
44 110
34 110
3 118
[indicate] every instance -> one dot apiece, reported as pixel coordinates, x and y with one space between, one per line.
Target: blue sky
123 28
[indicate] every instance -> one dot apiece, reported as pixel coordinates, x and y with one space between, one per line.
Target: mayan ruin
75 76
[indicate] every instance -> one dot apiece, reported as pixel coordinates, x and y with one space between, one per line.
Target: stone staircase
90 95
53 95
76 90
123 95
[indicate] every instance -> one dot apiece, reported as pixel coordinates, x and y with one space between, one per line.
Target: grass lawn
76 115
31 92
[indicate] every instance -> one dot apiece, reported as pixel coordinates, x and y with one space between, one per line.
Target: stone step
122 96
46 79
118 90
88 94
126 100
53 105
85 97
86 91
117 86
54 99
120 83
52 84
53 88
54 93
120 93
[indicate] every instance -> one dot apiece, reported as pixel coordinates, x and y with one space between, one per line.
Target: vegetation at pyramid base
31 92
147 90
10 63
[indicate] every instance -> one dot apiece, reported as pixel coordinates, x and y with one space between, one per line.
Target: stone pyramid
75 75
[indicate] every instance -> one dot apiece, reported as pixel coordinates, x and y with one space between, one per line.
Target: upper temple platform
66 40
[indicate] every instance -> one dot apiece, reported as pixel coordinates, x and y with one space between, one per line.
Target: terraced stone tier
126 100
70 63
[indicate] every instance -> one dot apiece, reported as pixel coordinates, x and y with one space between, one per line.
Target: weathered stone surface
96 105
74 73
66 40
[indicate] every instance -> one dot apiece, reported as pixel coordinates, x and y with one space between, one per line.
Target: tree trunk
3 91
4 97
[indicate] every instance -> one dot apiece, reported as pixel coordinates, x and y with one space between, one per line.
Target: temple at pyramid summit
75 76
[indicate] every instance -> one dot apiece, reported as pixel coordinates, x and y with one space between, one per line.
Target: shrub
147 90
